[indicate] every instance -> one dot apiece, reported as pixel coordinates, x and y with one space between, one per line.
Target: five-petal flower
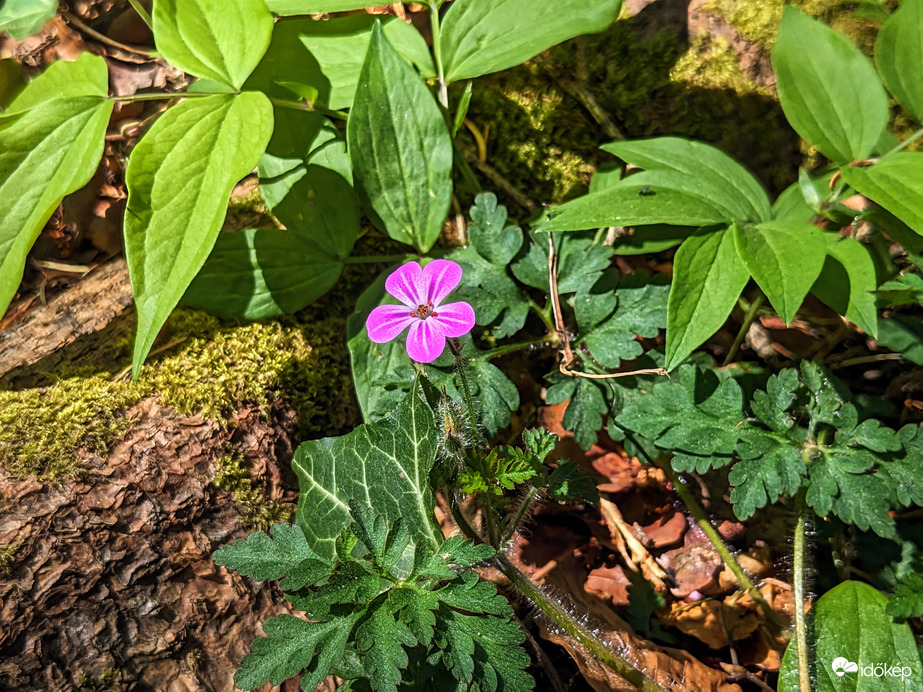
422 290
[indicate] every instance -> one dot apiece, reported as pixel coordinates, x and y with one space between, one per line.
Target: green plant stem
143 13
799 577
460 365
907 142
510 348
375 259
544 315
745 327
520 514
705 524
437 56
551 608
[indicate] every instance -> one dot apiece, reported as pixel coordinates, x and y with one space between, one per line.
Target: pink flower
422 291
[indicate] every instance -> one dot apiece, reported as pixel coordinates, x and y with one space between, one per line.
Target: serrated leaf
847 282
771 406
829 92
496 396
785 258
899 55
327 56
259 273
769 468
213 39
851 623
839 483
708 276
380 641
717 176
22 18
895 182
493 294
491 237
262 557
585 411
480 38
568 483
872 435
580 261
179 179
384 465
399 147
641 312
46 153
904 474
694 412
290 646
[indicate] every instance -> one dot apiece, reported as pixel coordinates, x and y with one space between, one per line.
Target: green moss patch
259 512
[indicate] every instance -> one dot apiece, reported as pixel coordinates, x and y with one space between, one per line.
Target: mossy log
114 495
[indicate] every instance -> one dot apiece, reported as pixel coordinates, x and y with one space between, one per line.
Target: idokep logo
841 666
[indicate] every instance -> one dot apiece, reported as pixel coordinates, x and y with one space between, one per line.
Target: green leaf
895 182
840 483
906 289
785 258
285 8
694 412
213 39
716 175
400 147
771 406
483 37
828 89
904 474
799 201
46 153
384 465
851 623
641 312
903 334
847 282
22 18
585 410
380 641
907 601
261 557
179 179
86 76
899 55
255 274
580 262
649 197
770 467
491 237
708 276
326 56
290 646
496 396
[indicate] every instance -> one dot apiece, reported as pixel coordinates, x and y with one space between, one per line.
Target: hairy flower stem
520 515
799 578
745 327
557 613
461 367
705 524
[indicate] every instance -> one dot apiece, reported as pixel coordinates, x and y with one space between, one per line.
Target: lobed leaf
828 89
263 557
179 179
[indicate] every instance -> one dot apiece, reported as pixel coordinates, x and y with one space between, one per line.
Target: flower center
424 311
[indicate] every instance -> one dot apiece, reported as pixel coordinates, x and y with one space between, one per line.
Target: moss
259 511
41 430
710 63
7 551
755 20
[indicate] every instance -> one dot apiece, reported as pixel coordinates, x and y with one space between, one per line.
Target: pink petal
425 341
456 319
442 277
386 322
408 284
